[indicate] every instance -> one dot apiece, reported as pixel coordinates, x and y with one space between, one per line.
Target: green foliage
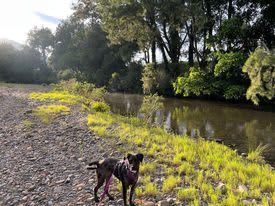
154 80
100 107
150 105
63 97
187 194
150 189
231 29
170 183
234 92
229 64
84 89
47 112
23 66
149 79
128 79
41 39
257 154
260 66
195 82
66 74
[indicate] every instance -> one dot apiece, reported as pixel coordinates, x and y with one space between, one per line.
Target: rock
148 203
171 200
120 201
221 186
59 182
246 202
242 188
163 203
80 186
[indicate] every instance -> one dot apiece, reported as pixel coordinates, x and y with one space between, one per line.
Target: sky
18 17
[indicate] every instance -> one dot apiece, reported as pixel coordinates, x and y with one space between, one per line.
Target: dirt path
45 164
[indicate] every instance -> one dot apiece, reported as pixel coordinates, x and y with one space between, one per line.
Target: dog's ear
129 156
140 157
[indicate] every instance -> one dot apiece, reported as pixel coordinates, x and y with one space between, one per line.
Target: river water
237 125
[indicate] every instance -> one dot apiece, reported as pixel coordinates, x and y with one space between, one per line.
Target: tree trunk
230 9
153 50
191 48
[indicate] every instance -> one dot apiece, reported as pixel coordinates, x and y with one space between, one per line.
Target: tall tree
41 39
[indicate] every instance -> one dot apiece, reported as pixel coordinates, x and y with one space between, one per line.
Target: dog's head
134 161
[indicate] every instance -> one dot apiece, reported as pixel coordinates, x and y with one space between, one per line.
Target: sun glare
17 17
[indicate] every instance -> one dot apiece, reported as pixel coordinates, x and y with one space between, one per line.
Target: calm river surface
242 127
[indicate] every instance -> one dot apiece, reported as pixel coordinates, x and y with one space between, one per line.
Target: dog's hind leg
108 182
100 182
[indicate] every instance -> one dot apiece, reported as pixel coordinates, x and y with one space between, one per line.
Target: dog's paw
96 199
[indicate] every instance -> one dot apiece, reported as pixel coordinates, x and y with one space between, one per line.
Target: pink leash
106 188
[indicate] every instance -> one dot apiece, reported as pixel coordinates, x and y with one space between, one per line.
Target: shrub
150 105
234 92
257 154
229 65
260 67
100 107
84 89
195 82
155 79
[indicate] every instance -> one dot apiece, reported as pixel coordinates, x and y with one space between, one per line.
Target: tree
41 40
260 67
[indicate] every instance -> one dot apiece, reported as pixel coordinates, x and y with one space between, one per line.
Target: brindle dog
126 171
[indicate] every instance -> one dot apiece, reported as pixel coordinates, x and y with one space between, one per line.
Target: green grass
187 194
170 183
46 112
63 97
202 163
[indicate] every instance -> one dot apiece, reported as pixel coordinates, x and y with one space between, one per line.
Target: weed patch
46 112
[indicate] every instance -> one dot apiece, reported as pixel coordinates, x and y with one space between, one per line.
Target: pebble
163 203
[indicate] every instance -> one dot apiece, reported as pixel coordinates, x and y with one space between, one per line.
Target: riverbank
177 168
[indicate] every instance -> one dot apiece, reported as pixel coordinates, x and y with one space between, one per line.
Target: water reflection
245 128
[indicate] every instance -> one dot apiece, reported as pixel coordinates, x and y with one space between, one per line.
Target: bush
260 66
234 92
195 82
84 89
65 74
155 80
230 65
150 105
100 107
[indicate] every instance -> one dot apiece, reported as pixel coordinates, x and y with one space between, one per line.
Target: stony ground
45 164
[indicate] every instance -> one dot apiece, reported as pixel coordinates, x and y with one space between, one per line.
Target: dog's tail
91 164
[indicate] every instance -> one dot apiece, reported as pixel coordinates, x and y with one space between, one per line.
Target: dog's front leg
131 194
124 190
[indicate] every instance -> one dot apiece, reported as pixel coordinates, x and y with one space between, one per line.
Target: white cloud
18 17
